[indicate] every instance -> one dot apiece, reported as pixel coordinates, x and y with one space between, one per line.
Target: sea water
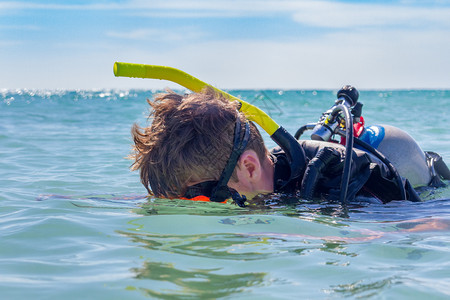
75 222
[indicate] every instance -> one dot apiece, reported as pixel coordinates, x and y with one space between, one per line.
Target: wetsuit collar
282 173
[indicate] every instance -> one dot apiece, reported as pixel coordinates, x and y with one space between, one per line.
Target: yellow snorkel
276 132
196 85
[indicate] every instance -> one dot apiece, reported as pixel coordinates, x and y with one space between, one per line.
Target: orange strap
201 198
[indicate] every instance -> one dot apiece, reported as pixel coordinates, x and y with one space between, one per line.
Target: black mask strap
222 191
218 191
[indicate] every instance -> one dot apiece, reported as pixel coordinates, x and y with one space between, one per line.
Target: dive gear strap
218 191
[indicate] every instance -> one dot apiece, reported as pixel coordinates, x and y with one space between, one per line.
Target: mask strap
221 190
218 191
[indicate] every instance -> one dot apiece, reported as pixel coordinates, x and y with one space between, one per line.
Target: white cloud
331 14
30 5
368 56
20 27
379 60
180 34
325 63
10 43
344 15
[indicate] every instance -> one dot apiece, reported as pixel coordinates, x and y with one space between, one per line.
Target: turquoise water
75 222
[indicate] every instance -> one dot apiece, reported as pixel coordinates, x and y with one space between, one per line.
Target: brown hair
189 141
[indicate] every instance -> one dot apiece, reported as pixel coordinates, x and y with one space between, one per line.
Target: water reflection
218 246
194 283
158 206
175 267
166 280
287 205
363 290
294 206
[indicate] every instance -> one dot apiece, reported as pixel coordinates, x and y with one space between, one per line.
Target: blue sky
280 44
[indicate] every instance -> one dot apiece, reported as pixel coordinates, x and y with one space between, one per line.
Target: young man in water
201 145
190 141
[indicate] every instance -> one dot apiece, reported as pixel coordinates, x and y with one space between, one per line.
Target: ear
250 166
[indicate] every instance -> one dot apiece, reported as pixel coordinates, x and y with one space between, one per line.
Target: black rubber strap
221 191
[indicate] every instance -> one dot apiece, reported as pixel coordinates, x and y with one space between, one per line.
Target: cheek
243 186
239 187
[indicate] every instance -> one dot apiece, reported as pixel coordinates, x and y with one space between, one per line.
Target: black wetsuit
368 176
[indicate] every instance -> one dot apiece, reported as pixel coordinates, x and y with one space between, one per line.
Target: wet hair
189 141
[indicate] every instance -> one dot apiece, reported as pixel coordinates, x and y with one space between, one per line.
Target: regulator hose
348 149
323 159
302 129
347 98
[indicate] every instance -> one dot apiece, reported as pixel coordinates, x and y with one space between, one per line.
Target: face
243 186
254 176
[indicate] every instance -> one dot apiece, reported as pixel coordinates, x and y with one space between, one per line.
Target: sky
246 44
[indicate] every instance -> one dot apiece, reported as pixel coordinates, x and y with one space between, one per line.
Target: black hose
294 152
348 149
316 166
300 131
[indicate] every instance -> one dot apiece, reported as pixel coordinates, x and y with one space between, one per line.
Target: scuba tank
421 168
402 150
393 146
